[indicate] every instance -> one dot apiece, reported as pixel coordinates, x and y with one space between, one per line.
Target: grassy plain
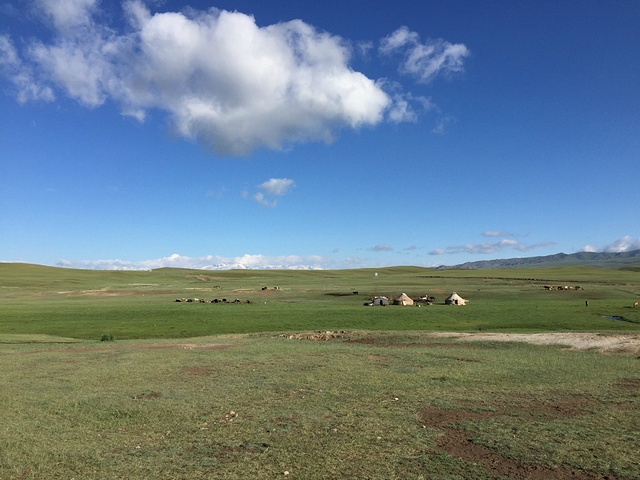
190 390
89 304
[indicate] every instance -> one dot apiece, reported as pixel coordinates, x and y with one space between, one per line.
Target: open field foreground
379 405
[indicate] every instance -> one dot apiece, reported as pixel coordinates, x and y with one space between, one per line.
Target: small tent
455 299
403 299
382 301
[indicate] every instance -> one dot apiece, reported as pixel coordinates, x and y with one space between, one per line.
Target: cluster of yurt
404 299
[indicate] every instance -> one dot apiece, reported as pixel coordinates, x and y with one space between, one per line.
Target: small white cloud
441 124
381 247
274 187
424 60
260 198
277 186
364 48
496 233
216 193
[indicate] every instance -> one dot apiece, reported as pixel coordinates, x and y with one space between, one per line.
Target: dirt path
620 343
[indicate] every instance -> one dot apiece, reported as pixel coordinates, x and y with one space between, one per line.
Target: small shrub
107 337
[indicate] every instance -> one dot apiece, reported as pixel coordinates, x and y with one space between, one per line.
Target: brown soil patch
384 342
459 443
198 371
632 384
205 278
119 293
618 343
435 417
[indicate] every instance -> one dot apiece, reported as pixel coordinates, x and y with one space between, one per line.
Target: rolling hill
580 259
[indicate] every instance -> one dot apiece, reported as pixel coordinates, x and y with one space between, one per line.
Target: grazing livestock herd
215 300
563 287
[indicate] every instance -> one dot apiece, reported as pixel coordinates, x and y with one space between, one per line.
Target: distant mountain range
580 259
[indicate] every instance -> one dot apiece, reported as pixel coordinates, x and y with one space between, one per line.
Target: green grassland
366 406
88 304
200 390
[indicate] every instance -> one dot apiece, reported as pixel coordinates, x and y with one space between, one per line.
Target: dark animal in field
264 288
355 293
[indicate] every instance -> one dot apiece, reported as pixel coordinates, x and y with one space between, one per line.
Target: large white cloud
225 81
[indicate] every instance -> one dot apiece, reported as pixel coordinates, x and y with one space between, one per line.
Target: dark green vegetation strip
90 304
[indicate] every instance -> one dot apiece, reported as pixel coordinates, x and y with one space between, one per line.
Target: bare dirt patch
205 278
119 293
383 342
460 443
614 343
198 371
618 343
631 384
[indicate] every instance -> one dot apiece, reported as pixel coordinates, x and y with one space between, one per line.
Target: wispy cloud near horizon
622 244
486 248
208 262
381 247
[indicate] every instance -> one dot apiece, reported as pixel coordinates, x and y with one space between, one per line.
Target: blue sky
279 134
